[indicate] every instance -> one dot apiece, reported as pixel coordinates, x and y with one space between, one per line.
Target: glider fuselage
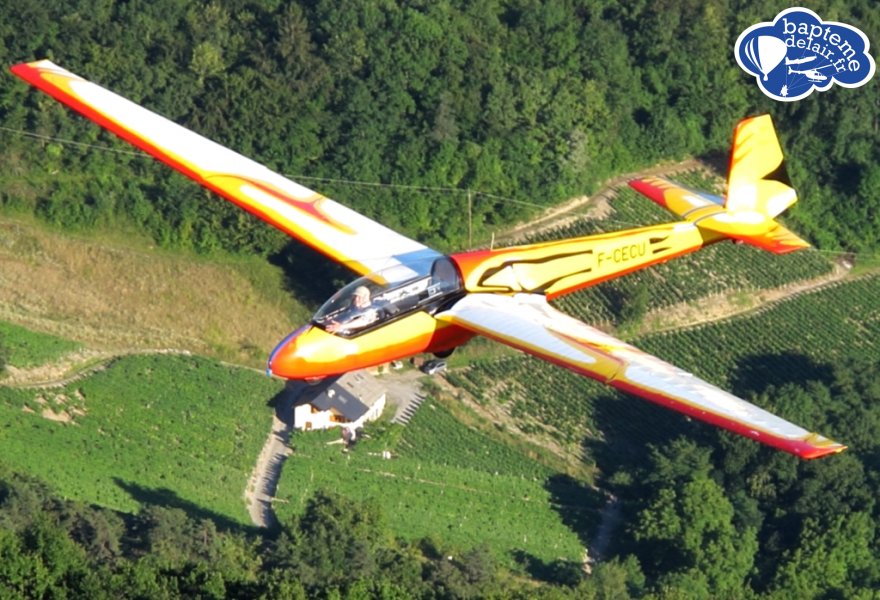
403 324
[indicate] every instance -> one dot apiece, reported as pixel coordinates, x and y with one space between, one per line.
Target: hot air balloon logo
831 52
765 52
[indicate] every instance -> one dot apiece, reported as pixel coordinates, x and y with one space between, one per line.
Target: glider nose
309 352
284 360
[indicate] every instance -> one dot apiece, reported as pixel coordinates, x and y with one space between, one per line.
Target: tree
691 539
834 559
334 542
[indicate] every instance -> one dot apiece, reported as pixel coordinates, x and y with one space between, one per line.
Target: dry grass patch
109 296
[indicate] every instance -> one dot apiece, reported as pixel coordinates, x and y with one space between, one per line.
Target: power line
375 184
49 138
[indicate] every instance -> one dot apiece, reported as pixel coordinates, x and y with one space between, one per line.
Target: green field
167 430
185 432
23 348
450 483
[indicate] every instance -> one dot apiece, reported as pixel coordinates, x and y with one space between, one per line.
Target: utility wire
418 188
49 138
375 184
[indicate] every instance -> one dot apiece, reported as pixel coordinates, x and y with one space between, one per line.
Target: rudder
757 179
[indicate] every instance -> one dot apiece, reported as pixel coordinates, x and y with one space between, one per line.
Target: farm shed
349 400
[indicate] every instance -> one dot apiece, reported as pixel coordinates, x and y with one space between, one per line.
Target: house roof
350 395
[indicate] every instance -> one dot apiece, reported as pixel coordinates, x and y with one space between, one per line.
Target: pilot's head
362 296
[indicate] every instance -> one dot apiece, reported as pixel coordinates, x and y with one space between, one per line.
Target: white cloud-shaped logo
799 52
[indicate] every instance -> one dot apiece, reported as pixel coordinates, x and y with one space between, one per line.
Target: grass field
449 483
111 294
170 430
25 348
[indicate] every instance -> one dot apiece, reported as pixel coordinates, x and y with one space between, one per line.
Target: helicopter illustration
812 74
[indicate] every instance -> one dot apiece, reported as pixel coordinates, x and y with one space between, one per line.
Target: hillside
166 430
444 481
135 308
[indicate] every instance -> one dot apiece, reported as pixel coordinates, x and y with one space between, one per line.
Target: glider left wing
342 234
527 322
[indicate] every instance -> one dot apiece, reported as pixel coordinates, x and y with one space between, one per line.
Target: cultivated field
167 430
24 348
449 483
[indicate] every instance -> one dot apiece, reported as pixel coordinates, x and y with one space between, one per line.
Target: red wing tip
823 451
34 64
651 187
639 184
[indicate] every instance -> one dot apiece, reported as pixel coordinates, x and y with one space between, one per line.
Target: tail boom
706 212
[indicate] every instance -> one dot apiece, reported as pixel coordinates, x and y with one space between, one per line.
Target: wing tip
818 450
808 447
650 187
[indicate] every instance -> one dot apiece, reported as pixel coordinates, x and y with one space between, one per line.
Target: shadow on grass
284 401
577 503
579 506
167 498
559 571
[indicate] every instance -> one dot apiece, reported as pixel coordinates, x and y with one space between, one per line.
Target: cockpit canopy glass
386 295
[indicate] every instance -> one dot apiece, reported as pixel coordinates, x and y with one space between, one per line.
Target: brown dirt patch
722 306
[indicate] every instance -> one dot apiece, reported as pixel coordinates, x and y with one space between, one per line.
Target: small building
346 401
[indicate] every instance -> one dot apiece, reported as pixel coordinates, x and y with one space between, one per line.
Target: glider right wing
527 322
342 234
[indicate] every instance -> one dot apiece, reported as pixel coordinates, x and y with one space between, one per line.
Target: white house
350 401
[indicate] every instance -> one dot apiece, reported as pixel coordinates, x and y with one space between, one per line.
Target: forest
509 106
419 114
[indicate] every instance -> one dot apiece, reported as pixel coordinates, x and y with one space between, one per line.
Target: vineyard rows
182 431
451 480
434 434
23 348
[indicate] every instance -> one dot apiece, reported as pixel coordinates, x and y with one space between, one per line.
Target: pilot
358 315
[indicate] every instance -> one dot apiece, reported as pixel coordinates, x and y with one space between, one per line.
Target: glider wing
340 233
527 322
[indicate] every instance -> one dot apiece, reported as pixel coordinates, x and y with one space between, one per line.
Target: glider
411 299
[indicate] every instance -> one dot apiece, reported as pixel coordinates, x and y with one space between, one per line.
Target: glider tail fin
758 189
757 179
